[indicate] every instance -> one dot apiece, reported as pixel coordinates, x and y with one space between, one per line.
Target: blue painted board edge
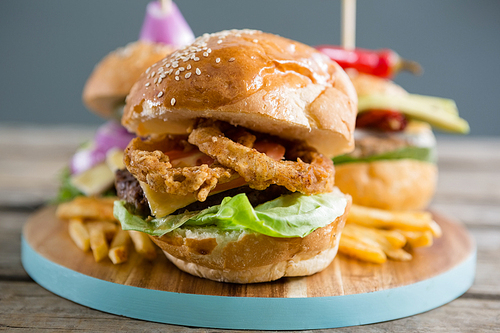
258 313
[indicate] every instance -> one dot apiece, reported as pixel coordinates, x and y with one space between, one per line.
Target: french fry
352 247
79 234
385 219
109 228
391 238
397 254
390 242
87 208
418 238
435 229
98 242
143 244
119 248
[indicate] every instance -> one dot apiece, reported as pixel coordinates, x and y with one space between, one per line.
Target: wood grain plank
10 246
31 159
476 214
26 306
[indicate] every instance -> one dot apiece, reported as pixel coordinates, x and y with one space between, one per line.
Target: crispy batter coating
258 169
147 162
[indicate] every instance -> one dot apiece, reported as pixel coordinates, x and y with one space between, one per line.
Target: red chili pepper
384 120
384 63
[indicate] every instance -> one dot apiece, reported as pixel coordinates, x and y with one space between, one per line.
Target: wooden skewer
166 6
349 24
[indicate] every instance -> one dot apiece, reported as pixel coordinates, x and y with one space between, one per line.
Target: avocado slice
439 112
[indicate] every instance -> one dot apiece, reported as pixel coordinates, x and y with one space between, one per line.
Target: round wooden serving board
347 293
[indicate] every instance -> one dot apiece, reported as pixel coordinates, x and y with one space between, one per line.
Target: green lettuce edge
293 215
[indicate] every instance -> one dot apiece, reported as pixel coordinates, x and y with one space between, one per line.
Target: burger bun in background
114 76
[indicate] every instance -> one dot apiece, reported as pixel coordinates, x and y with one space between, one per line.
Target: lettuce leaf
293 215
67 191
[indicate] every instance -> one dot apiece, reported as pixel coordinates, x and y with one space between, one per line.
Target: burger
91 170
230 173
393 166
113 77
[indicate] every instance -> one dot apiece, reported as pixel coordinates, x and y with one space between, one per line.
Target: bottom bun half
404 184
248 257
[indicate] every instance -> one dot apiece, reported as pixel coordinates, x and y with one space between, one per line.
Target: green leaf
293 215
67 191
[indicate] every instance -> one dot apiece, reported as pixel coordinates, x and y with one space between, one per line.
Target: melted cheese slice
163 204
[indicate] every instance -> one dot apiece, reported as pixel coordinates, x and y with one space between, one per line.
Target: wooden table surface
32 156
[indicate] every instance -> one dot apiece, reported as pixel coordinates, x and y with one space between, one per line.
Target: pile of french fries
374 235
92 226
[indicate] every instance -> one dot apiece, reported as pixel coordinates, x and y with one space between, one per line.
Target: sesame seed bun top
249 78
112 78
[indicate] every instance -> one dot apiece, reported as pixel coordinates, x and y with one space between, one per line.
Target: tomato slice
271 149
384 120
194 157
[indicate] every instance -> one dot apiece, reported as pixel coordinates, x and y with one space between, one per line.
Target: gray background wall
48 48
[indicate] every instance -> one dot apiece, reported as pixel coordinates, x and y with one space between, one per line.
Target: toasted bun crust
366 84
257 80
112 78
404 184
247 257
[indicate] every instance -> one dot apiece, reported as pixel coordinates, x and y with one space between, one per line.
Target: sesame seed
217 60
163 75
153 73
188 75
160 94
177 72
176 78
196 59
205 54
167 65
209 50
231 59
148 70
156 80
198 72
172 101
175 65
188 67
148 84
181 69
160 79
170 71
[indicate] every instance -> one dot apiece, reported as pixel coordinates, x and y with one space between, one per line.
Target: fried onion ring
150 165
258 169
